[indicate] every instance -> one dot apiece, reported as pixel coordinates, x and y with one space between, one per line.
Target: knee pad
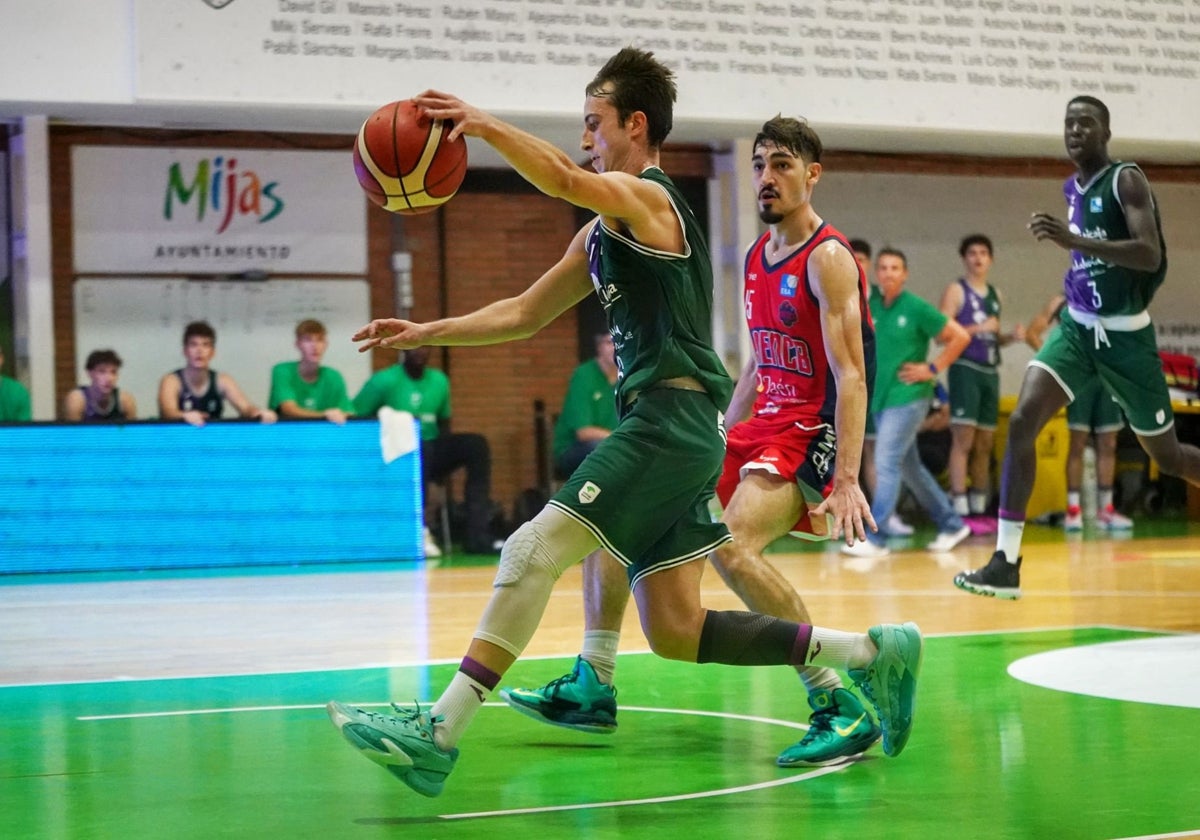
528 549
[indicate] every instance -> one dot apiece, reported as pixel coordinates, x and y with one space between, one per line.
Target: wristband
933 369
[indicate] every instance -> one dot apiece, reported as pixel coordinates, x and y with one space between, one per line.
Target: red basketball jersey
784 317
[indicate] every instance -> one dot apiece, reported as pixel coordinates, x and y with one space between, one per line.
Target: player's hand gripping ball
404 161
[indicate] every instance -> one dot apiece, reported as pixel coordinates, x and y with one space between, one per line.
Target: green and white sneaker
576 701
838 730
402 743
890 680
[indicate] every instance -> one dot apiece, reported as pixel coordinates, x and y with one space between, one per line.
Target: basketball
404 161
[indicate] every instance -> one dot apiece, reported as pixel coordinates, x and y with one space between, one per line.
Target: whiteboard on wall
143 320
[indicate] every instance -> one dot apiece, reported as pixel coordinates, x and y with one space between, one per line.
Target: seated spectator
195 393
589 412
306 389
424 392
101 399
14 399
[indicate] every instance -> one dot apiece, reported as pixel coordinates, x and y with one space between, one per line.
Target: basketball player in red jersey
791 465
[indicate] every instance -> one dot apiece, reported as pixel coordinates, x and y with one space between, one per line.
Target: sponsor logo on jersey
788 314
788 285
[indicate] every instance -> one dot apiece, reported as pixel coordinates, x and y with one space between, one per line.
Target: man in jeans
904 381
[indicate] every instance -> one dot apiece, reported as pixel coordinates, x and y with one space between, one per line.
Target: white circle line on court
544 809
1159 670
239 709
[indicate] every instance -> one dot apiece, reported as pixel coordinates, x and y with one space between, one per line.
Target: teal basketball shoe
576 701
838 730
402 744
890 680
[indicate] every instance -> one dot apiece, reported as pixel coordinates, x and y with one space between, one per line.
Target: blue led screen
164 496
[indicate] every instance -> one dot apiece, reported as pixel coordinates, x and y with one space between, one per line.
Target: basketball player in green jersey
643 493
1118 261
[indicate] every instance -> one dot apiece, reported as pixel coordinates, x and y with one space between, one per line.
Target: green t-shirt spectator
426 398
328 391
902 334
14 401
589 402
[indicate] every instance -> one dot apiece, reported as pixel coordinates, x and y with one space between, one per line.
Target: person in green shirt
307 389
589 412
904 380
14 399
424 392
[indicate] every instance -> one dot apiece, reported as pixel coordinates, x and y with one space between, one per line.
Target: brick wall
484 246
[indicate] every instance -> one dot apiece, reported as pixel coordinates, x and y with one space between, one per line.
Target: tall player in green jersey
1118 261
643 493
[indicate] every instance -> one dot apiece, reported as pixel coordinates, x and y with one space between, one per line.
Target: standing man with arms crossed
805 394
1118 261
904 386
643 493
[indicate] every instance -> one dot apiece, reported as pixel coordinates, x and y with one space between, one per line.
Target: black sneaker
998 579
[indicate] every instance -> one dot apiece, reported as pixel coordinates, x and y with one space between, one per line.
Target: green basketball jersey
659 304
1092 285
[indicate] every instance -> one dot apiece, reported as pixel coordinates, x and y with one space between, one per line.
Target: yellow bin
1050 486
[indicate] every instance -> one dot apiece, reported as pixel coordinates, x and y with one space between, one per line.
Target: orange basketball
404 161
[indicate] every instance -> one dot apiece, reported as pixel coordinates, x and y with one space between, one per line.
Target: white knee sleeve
526 576
525 550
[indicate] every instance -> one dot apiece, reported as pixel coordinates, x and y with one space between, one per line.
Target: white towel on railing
397 433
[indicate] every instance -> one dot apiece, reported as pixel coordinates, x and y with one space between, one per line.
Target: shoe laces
555 685
819 722
410 714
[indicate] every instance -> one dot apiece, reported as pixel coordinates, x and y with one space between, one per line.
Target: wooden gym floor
190 706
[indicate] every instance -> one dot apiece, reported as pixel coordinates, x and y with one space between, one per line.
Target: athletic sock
1103 498
961 506
1008 538
979 500
839 649
1073 500
600 651
814 678
465 695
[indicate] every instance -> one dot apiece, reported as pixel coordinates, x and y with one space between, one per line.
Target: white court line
546 809
238 709
654 800
421 663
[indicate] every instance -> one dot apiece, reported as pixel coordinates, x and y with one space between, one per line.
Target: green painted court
255 756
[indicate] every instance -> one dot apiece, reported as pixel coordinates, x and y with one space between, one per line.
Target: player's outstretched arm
640 206
834 281
556 291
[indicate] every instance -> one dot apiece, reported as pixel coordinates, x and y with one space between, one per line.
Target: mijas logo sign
216 189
